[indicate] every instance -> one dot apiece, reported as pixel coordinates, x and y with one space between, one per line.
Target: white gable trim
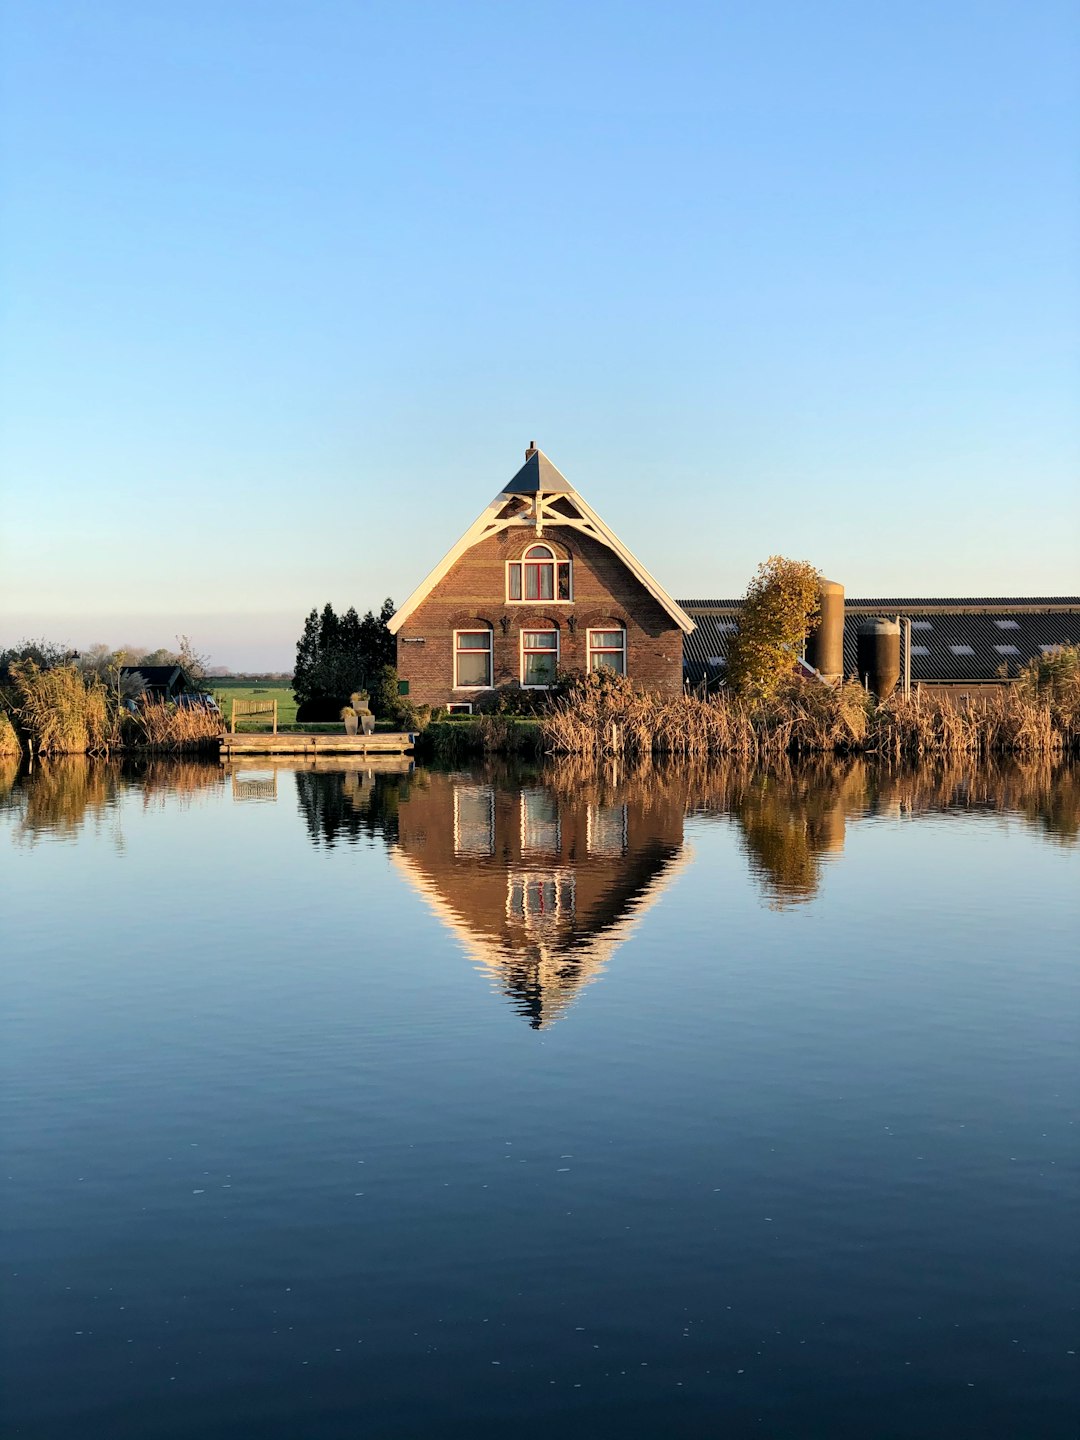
535 518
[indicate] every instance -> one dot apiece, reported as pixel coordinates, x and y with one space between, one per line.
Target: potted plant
349 715
363 711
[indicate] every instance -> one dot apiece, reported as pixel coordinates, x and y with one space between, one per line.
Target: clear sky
289 287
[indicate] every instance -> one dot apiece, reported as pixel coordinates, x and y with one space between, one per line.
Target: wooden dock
312 746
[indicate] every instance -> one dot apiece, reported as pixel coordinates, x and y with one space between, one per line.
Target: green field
226 691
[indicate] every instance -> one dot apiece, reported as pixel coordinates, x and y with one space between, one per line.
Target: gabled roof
159 677
538 477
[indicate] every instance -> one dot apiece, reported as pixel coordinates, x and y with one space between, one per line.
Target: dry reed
9 740
61 711
605 716
160 726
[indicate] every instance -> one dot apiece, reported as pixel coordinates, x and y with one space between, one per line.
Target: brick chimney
531 451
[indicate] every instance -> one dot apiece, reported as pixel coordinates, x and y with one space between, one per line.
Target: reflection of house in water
540 886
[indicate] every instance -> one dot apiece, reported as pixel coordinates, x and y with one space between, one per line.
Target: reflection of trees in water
793 816
351 805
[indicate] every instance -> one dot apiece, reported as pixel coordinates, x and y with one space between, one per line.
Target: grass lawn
226 691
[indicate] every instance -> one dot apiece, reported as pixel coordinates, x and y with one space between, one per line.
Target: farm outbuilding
961 642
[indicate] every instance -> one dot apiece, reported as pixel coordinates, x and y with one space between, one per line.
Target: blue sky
288 288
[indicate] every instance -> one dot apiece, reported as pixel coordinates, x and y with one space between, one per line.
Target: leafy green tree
782 601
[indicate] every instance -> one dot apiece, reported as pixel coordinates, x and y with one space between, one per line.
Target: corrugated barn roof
951 640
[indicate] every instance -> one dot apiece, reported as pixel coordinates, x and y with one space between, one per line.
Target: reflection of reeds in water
59 795
9 773
793 815
161 780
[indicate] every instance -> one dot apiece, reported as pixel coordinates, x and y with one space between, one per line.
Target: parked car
195 700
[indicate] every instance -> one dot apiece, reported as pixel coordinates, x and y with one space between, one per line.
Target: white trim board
491 521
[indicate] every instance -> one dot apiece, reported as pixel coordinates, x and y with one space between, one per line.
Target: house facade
538 585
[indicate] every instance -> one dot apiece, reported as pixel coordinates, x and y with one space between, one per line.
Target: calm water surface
543 1103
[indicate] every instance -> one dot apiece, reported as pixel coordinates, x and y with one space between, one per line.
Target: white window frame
555 562
459 707
604 649
486 794
476 630
546 650
593 826
521 884
523 811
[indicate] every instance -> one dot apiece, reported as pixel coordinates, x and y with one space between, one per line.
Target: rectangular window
539 657
472 659
474 820
513 581
538 582
540 900
540 829
607 650
605 829
564 580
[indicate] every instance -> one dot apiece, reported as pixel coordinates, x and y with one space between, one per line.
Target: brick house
537 584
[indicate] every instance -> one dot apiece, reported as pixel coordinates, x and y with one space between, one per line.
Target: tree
782 601
336 655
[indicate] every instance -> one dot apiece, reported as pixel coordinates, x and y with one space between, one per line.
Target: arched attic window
538 575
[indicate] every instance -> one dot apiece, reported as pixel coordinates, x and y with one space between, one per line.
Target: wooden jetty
313 746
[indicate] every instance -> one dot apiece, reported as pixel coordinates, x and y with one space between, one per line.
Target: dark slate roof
951 640
538 473
157 677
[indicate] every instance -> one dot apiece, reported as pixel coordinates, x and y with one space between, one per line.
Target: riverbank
605 716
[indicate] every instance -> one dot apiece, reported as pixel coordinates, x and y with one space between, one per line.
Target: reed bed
159 726
9 739
61 711
604 716
1006 723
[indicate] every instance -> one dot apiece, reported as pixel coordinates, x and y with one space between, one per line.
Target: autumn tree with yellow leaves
782 602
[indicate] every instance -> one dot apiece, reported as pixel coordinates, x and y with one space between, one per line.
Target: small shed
163 682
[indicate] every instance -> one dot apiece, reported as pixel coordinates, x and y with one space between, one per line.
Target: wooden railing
249 709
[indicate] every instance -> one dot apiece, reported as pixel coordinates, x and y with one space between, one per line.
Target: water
352 1103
